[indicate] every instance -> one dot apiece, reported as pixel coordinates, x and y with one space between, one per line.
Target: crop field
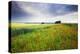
43 37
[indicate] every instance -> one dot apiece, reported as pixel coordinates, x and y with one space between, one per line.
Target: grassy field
43 37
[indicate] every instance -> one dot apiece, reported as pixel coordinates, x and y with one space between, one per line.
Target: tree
57 22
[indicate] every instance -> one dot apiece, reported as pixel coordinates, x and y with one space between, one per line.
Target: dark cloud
61 9
17 12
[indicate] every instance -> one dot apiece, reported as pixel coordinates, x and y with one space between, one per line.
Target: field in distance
43 37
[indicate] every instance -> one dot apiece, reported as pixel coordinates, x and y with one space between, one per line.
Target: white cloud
34 9
40 14
68 18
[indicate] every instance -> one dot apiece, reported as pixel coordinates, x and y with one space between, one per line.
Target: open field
43 37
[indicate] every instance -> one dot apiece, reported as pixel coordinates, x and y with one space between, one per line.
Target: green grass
43 37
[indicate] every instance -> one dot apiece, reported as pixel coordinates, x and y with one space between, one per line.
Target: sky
43 12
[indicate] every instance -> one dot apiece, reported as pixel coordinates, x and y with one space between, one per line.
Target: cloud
68 18
34 9
45 12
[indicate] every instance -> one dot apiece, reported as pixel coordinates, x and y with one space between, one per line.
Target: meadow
43 37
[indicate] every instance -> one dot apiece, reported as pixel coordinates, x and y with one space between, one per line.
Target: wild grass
43 37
